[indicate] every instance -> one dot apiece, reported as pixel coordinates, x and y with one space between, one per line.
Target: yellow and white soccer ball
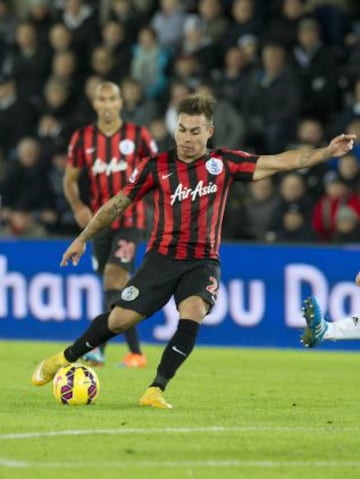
76 385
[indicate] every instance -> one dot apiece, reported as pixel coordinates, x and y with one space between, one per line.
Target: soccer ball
76 385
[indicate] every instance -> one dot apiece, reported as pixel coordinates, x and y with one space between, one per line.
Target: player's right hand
357 279
73 253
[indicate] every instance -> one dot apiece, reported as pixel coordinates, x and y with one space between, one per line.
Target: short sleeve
141 180
76 157
241 164
148 144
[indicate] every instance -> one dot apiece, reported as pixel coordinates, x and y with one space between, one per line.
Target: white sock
346 328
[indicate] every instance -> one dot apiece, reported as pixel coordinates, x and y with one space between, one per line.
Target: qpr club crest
130 293
126 147
214 166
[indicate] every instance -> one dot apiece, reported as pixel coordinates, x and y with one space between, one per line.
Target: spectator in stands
188 70
310 134
126 14
317 69
350 112
7 28
349 172
178 91
149 64
292 194
232 82
245 21
79 17
337 194
249 211
25 187
197 43
168 23
60 38
17 117
64 70
230 126
115 39
84 111
347 227
103 63
283 25
249 44
22 223
215 22
64 223
40 15
56 99
28 60
295 227
137 108
51 134
161 134
273 102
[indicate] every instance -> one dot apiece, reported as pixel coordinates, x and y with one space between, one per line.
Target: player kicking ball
319 329
190 185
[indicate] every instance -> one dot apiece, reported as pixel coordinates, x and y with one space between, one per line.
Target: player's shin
175 353
97 333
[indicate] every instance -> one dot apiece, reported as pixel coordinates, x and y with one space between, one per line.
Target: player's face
191 136
107 104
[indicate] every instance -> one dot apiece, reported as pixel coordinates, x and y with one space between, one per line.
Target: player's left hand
340 145
357 279
73 253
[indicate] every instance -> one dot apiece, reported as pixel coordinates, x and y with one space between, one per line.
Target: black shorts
159 277
116 247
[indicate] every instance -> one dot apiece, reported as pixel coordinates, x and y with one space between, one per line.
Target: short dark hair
197 105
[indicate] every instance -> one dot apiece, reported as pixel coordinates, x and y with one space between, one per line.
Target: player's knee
121 320
115 277
194 308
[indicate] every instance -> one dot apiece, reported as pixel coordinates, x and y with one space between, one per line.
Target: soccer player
318 329
109 151
190 185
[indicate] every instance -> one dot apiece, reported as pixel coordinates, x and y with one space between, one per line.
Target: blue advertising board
259 303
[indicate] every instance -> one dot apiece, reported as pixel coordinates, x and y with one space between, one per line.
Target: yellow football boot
153 397
47 369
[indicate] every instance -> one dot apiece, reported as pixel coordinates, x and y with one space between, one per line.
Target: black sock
96 334
131 337
110 297
132 340
176 351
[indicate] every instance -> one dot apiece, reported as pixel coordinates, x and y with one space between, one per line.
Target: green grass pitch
238 413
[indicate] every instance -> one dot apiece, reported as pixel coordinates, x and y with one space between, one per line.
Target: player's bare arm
82 212
103 218
267 165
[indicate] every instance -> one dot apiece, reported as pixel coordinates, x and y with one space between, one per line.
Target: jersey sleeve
141 180
76 157
148 144
241 164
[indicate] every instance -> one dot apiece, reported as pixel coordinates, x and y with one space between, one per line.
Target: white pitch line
170 430
177 464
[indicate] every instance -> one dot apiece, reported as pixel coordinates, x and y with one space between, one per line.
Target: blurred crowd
285 74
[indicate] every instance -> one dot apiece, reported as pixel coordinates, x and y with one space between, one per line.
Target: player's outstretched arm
103 218
267 165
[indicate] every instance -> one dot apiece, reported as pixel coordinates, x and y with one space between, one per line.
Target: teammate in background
190 185
109 151
318 329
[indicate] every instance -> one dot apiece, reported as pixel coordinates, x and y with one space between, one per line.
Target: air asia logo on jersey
112 167
126 147
214 166
183 192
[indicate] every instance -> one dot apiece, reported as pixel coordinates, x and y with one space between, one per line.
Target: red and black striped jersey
189 199
109 162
